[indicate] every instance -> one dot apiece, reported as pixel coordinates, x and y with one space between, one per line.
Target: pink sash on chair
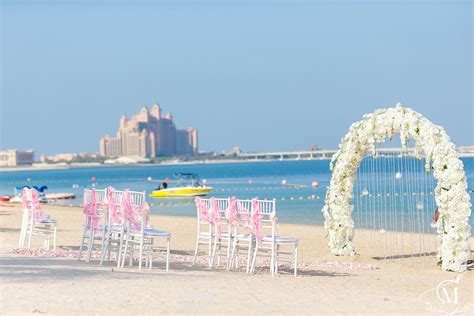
91 212
33 206
130 211
202 210
214 216
256 219
231 212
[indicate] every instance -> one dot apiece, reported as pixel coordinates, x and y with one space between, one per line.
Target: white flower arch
451 194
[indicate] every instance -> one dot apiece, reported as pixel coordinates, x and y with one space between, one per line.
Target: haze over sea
294 204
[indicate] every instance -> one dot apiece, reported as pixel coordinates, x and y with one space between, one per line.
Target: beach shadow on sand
28 269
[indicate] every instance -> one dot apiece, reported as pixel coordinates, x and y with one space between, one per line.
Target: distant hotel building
13 158
149 134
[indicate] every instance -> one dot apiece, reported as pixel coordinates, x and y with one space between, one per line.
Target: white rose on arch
450 194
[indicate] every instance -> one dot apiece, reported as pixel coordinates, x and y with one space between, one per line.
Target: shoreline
200 162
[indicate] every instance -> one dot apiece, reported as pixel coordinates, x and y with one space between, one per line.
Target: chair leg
54 238
273 261
254 259
21 241
229 242
120 253
249 257
31 234
91 245
82 244
296 260
123 255
211 264
140 253
209 252
196 251
168 242
232 255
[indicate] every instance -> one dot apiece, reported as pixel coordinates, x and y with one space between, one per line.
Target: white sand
66 286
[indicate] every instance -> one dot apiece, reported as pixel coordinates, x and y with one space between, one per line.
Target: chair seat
48 220
244 236
116 228
206 234
280 239
156 233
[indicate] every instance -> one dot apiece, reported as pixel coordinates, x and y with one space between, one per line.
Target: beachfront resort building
149 134
13 158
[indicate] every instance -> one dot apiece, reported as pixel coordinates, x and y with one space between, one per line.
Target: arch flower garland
431 140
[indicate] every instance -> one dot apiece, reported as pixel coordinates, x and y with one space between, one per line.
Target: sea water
297 200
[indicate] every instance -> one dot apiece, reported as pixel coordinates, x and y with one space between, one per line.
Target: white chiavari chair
222 229
267 240
94 228
35 222
242 235
205 232
139 234
115 223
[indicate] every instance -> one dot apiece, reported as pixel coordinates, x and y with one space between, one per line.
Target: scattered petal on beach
201 260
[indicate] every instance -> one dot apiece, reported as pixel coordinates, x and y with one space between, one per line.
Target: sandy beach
65 286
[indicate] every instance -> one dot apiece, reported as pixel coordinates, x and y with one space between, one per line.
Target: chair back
244 216
264 217
135 210
93 207
31 205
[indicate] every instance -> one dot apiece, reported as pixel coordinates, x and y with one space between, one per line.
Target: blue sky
262 75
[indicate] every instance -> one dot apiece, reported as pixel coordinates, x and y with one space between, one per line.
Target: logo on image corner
445 298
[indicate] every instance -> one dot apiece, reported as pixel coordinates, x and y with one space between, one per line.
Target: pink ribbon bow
130 211
231 212
145 209
202 210
214 217
244 215
256 219
90 210
116 214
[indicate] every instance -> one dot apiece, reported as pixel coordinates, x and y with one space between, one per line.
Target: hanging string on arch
394 200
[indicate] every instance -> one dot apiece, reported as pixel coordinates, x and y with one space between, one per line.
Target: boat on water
19 191
187 185
60 196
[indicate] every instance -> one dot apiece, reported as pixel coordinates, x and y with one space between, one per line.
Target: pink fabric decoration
116 214
231 212
244 215
90 210
202 210
215 216
256 220
33 206
130 211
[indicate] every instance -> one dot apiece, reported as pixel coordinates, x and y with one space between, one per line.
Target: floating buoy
419 205
93 178
250 181
314 184
28 179
365 192
167 180
149 178
398 175
283 182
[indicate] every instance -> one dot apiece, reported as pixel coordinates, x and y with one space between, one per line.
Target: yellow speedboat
181 192
188 185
